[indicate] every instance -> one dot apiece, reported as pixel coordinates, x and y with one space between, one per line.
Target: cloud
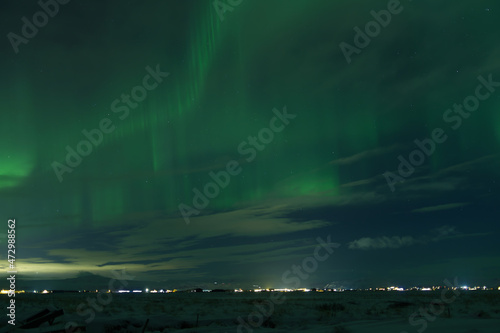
142 247
453 178
445 231
439 207
382 242
435 235
367 154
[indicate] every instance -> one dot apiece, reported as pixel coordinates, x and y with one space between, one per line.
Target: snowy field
356 312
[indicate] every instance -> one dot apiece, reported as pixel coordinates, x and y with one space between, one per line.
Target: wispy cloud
439 207
367 154
384 242
395 242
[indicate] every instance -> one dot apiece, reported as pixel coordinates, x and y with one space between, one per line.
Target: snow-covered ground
355 312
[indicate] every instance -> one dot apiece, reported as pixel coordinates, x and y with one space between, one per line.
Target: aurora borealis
226 74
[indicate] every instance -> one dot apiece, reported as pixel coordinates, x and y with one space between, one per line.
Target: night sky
308 126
